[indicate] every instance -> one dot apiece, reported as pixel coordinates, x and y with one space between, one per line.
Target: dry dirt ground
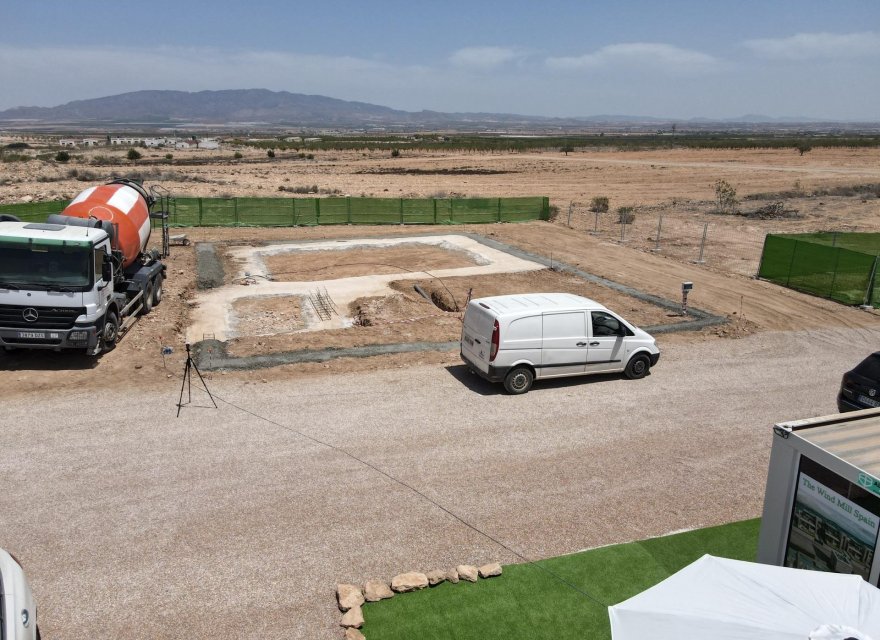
215 526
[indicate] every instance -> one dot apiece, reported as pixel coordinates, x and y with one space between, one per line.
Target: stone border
350 597
211 355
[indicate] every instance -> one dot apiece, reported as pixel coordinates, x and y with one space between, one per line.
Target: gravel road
134 524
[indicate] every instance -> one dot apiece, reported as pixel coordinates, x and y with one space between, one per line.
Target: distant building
186 144
67 142
90 142
208 143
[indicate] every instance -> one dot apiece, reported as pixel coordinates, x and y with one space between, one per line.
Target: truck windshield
45 266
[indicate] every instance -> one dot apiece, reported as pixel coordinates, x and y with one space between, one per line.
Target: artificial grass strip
529 603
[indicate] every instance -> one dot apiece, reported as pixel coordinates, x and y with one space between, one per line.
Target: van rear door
476 335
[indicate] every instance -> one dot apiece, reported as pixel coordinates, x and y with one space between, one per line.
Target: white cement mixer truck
79 279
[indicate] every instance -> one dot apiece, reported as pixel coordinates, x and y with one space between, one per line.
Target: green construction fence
836 266
287 212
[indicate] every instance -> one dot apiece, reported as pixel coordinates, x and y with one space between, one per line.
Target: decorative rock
489 570
353 634
411 581
467 572
436 576
354 617
376 590
349 596
452 576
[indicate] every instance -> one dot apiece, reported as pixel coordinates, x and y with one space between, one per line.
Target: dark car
860 388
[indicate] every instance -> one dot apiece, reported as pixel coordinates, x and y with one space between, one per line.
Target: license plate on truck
32 334
468 340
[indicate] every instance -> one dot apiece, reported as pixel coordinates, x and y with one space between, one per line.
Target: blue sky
677 59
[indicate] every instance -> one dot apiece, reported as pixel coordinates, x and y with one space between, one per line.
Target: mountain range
255 108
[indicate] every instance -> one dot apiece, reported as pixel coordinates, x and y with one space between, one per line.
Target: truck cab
54 287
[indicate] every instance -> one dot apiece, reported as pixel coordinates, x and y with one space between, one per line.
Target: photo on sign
834 523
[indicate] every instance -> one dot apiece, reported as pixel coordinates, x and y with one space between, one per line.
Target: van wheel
637 367
519 380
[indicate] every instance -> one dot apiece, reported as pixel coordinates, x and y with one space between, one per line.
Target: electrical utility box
822 502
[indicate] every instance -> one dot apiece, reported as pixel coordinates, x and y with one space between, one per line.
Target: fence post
235 211
869 292
570 207
623 229
200 212
659 227
596 226
293 211
317 211
703 243
434 200
348 207
834 275
499 210
791 264
401 211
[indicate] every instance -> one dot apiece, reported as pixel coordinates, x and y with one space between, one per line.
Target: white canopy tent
726 599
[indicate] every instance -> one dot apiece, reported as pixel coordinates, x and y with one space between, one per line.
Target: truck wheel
519 380
157 290
637 367
149 295
110 332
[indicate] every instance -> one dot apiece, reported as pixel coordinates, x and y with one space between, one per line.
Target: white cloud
483 57
813 46
639 55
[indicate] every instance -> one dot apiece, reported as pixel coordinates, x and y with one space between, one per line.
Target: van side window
564 325
605 325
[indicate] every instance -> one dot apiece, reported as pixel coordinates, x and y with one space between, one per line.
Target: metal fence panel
187 212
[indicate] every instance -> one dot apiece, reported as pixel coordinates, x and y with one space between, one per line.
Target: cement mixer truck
80 279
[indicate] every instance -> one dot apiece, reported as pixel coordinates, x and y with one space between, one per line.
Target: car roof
520 302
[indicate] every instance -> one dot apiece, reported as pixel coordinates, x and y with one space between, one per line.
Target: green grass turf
530 603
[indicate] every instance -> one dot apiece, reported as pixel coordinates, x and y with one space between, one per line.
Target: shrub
803 147
169 156
599 204
567 149
725 196
18 145
311 156
625 215
395 153
237 155
62 156
134 155
271 153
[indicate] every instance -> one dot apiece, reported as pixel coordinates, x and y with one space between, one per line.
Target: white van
521 338
18 613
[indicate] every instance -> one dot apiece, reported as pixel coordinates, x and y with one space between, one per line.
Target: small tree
725 196
395 153
271 153
803 147
567 149
599 204
62 156
625 215
134 155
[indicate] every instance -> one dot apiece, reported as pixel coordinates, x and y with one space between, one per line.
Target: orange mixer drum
124 208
